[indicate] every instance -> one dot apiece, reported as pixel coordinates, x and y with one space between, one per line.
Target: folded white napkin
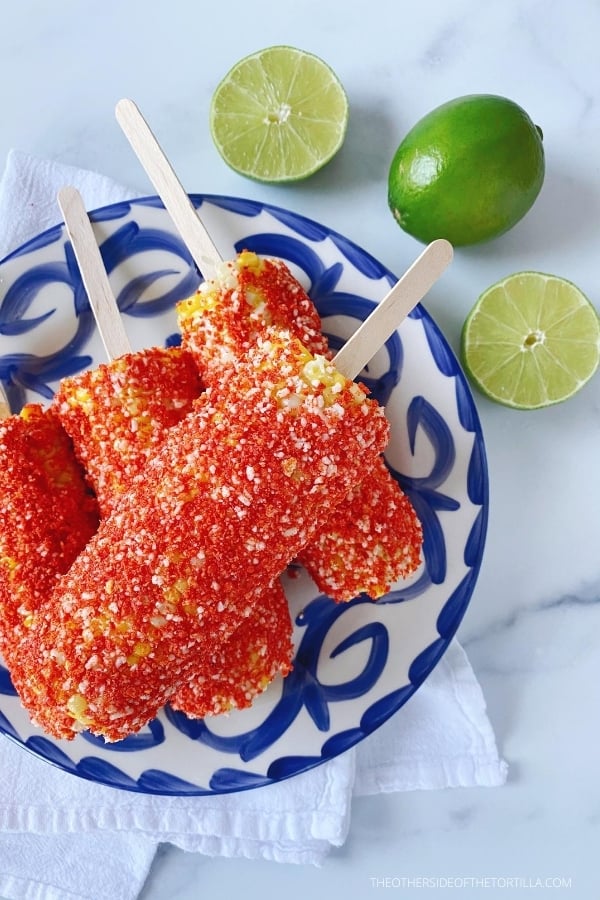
63 837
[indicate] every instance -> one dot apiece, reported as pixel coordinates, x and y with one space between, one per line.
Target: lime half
279 115
531 340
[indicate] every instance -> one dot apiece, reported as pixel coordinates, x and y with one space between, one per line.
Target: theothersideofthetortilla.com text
466 882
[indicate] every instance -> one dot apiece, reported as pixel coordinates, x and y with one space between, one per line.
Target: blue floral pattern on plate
355 664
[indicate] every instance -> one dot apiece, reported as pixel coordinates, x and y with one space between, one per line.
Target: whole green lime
468 171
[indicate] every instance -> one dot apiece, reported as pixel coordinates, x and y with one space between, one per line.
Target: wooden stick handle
4 406
93 273
388 315
169 188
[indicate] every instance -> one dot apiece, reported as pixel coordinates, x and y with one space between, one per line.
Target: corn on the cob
238 487
221 321
374 538
117 415
47 516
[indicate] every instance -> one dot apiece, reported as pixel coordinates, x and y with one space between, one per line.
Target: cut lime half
279 115
531 340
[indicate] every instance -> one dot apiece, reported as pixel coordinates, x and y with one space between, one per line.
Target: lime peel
467 171
531 340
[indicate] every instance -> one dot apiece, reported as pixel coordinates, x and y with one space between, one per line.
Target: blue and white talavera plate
356 664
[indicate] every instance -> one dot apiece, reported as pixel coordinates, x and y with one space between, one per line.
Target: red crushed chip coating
375 523
243 666
221 321
47 515
118 414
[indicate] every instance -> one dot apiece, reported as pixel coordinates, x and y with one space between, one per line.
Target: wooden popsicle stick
4 405
396 305
168 187
93 274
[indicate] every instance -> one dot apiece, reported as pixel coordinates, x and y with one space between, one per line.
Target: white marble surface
531 631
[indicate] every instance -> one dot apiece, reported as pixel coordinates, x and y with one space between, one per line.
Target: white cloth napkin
62 837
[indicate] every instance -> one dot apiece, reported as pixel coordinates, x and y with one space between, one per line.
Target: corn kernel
77 706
